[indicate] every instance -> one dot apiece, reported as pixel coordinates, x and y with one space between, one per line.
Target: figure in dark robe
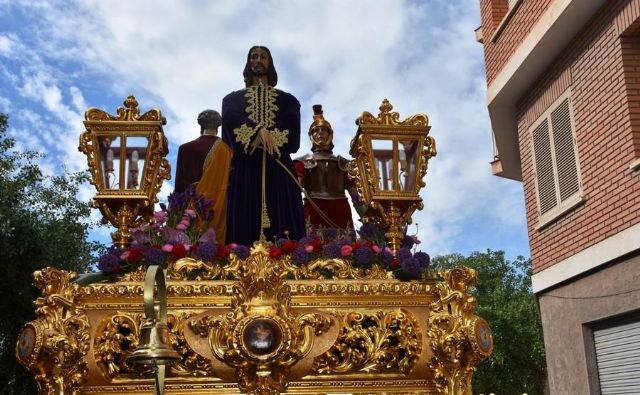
324 177
262 126
204 163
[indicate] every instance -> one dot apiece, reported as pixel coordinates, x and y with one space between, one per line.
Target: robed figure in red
262 126
204 163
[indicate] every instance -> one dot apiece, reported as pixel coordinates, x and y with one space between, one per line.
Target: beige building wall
569 313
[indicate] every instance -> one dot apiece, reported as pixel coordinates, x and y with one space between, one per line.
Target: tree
42 223
505 299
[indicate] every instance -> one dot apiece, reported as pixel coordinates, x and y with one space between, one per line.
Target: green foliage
42 223
505 299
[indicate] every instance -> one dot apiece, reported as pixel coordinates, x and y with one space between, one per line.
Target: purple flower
207 251
363 255
423 259
154 256
208 236
344 241
371 232
332 250
407 242
109 263
241 252
202 206
411 266
141 237
404 253
329 234
387 255
300 255
308 239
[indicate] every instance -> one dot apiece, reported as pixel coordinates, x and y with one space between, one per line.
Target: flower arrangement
183 230
365 251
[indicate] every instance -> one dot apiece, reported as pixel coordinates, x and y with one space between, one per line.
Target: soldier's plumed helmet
318 119
209 119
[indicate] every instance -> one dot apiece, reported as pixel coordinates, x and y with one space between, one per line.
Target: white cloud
5 105
6 45
184 57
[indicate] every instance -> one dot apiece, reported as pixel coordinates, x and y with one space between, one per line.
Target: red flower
317 245
179 251
289 246
134 255
394 263
222 252
357 245
275 253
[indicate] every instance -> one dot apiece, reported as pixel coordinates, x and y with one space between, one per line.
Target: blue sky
58 58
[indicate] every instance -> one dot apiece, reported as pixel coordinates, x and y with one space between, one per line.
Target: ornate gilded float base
263 333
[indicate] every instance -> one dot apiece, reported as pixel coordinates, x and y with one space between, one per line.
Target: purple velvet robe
243 113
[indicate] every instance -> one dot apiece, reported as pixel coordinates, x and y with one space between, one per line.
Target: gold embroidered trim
261 105
280 137
215 146
243 135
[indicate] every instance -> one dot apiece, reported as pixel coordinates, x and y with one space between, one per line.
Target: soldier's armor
325 175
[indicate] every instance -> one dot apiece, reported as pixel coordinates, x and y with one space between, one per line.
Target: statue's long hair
272 75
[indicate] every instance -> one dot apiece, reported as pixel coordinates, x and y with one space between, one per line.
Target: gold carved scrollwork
459 339
388 117
117 339
262 337
52 346
119 335
130 112
382 341
313 270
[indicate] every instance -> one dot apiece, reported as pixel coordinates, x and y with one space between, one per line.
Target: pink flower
208 235
308 248
415 239
232 246
182 226
346 250
167 248
191 213
160 215
376 248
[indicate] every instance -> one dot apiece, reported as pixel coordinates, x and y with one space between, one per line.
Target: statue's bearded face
321 136
259 60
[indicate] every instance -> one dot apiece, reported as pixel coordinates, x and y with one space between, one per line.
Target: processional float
260 325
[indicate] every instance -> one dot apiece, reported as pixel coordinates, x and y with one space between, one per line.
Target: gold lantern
126 154
390 162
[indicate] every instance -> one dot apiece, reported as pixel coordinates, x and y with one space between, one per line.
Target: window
555 161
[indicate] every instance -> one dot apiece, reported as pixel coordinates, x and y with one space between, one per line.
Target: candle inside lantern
109 160
134 161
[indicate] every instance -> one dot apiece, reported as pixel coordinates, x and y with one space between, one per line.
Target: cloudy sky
58 58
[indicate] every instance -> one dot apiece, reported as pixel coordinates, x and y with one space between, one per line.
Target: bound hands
264 139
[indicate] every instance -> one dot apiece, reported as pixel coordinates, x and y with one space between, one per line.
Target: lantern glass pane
383 158
409 158
135 159
110 161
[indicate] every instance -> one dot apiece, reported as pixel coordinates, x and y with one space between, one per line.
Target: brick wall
601 66
524 17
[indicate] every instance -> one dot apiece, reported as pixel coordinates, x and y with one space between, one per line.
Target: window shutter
544 168
564 149
618 357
